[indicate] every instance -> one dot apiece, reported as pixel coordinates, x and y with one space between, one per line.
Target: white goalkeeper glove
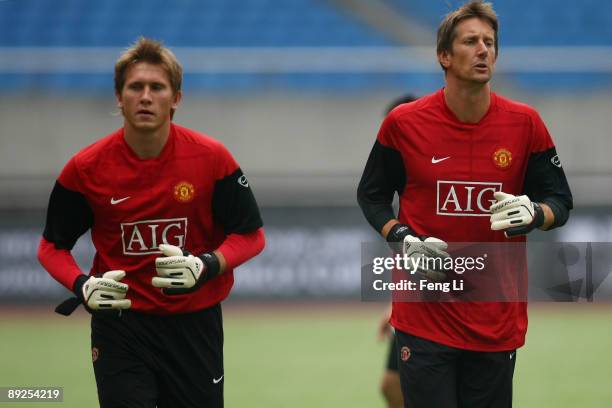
516 215
180 272
428 254
99 294
106 292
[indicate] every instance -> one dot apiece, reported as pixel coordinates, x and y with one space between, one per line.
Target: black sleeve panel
384 174
545 182
234 205
68 217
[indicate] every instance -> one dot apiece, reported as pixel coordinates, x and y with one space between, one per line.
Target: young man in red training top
171 215
469 166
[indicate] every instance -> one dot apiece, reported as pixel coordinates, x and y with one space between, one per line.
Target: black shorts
435 375
393 357
143 360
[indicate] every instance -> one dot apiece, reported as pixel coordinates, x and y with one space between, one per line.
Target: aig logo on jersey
144 237
465 198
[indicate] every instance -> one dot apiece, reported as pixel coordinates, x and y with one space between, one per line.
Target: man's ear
443 59
177 99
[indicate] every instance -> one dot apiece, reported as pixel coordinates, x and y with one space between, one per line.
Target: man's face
147 99
473 52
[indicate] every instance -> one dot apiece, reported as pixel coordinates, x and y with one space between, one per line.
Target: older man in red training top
449 156
171 215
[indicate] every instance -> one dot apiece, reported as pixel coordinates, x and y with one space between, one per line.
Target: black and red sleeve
69 215
384 175
545 180
233 202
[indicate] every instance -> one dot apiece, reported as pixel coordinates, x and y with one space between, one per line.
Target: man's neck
468 103
146 144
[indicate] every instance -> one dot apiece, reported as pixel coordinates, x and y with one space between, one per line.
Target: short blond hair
473 9
152 52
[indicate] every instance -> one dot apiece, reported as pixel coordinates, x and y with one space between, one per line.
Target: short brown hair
473 9
153 52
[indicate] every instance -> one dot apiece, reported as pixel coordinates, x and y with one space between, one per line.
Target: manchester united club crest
184 192
502 158
95 353
405 353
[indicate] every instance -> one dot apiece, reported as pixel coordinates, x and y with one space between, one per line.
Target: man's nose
482 49
146 94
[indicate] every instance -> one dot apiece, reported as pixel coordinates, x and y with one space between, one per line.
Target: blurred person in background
503 179
390 382
171 215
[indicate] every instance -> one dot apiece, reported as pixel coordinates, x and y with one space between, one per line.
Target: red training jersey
193 195
445 172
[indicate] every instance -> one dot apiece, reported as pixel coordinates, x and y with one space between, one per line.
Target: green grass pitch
310 355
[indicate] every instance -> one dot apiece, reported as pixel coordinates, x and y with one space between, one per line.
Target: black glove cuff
538 216
398 232
212 266
69 305
77 287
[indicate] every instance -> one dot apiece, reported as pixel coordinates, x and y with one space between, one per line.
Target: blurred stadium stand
296 89
67 45
187 23
543 22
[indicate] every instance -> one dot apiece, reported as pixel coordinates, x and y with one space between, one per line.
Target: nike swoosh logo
113 201
434 160
217 380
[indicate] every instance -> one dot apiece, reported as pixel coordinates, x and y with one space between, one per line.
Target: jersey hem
471 346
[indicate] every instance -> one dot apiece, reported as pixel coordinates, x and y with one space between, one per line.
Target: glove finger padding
523 211
172 266
169 282
513 217
115 275
170 250
431 247
109 285
108 300
516 215
177 271
436 247
428 255
505 201
106 292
